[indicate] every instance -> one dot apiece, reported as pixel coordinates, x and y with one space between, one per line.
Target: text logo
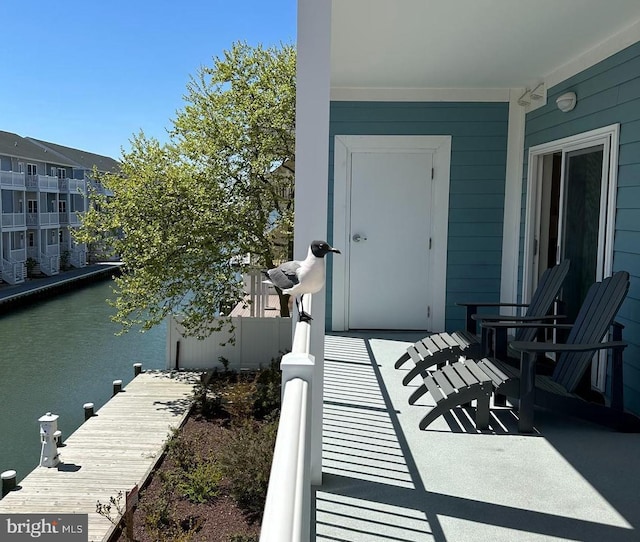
44 527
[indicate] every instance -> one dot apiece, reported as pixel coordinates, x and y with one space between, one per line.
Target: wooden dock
111 452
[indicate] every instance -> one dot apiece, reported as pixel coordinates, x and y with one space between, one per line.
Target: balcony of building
42 183
385 480
12 179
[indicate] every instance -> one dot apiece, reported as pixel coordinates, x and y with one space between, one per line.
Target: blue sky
91 74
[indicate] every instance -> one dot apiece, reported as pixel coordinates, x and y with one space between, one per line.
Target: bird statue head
321 248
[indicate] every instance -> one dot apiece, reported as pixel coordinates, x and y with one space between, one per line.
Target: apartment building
43 192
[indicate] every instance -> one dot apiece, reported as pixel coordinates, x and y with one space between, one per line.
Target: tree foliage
183 213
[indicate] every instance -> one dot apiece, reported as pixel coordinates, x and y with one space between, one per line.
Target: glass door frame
608 137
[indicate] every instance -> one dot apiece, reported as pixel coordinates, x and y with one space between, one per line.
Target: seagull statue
297 278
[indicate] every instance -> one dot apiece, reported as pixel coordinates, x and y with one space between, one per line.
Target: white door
390 236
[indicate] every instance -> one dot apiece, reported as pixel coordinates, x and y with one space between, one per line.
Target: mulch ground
220 520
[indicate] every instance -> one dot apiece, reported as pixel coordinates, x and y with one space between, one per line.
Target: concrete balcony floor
385 480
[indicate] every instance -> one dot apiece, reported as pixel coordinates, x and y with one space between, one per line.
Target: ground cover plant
211 484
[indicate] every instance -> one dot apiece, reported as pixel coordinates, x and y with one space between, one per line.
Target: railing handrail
287 512
284 507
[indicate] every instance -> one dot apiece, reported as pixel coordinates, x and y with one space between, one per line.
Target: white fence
257 342
287 513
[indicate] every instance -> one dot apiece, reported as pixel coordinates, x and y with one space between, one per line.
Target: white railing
71 185
12 220
48 182
13 272
78 258
287 512
49 219
42 182
12 178
77 185
18 254
258 293
49 265
52 250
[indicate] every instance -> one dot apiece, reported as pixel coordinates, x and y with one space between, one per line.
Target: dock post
8 481
137 369
88 410
49 456
117 387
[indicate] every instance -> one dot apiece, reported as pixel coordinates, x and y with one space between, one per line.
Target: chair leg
482 407
458 399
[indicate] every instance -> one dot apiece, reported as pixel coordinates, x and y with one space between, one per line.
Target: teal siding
478 160
608 93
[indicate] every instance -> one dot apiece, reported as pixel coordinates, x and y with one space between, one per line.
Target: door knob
357 238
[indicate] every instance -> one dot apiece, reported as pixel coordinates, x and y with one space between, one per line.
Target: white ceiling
467 43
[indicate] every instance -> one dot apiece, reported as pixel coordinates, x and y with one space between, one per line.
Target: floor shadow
176 406
68 467
372 488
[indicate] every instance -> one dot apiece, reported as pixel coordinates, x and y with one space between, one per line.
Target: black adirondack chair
443 347
469 379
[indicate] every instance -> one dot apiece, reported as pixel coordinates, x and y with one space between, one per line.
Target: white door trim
605 134
345 145
609 137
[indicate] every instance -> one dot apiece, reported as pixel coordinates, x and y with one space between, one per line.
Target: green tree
183 213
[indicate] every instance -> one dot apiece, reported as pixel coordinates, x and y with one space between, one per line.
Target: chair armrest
526 324
482 304
535 347
508 318
472 308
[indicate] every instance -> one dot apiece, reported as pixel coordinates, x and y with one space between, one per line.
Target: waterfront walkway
38 287
110 453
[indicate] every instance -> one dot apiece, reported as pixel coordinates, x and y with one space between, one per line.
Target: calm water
57 355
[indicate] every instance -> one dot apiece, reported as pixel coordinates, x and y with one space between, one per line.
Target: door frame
608 136
345 146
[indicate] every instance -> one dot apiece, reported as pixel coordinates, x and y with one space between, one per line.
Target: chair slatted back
596 316
546 292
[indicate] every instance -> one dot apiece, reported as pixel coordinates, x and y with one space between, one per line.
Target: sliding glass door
570 215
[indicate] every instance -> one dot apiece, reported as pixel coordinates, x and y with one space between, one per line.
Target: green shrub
246 463
156 511
238 400
202 483
182 450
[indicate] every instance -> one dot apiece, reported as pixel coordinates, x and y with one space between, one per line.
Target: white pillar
312 151
512 200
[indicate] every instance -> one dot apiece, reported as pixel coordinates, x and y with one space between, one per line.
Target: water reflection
57 355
